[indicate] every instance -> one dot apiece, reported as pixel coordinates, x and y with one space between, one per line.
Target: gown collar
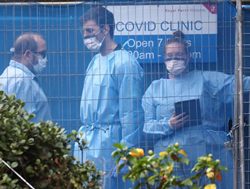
22 67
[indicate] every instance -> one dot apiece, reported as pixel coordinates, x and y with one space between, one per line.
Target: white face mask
176 67
41 65
92 43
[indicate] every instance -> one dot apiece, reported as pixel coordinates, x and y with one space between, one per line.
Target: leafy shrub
158 171
39 152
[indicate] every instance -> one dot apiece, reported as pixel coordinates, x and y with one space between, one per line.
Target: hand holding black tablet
192 109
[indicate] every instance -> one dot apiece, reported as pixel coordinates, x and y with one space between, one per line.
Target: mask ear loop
101 31
103 39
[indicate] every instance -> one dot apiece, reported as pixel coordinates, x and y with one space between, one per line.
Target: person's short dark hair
178 37
23 43
101 16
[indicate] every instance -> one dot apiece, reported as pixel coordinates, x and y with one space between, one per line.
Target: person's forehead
90 24
41 45
174 47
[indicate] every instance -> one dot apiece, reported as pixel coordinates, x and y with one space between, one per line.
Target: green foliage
158 171
39 152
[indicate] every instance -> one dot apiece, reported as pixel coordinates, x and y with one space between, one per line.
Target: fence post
238 111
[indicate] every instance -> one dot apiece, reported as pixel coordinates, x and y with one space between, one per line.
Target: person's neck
108 46
171 76
25 63
21 61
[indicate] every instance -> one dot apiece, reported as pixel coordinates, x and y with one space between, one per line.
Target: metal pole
235 128
239 82
25 181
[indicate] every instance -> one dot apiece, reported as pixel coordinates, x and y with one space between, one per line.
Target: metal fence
217 35
241 139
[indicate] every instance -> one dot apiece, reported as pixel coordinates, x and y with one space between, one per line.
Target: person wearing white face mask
110 108
175 66
213 91
19 78
41 64
92 43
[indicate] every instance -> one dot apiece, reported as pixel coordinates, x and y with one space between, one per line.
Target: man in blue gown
110 107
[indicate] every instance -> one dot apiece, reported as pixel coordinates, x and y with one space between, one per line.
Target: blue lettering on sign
180 25
129 26
164 26
119 26
151 26
138 26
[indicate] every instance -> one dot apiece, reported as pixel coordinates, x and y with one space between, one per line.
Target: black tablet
192 108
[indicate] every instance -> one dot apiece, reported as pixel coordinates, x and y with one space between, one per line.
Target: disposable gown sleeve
130 86
220 85
152 125
246 83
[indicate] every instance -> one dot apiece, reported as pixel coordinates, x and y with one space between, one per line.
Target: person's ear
106 29
27 53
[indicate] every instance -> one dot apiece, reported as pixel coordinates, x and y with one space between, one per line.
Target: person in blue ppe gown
19 78
110 108
213 91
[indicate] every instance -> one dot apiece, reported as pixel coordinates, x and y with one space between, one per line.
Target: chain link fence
217 35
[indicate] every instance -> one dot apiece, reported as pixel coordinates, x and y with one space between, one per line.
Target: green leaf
22 141
187 182
196 187
29 169
118 145
14 164
151 179
185 161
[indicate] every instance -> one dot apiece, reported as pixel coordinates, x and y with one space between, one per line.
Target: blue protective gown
17 79
215 91
110 109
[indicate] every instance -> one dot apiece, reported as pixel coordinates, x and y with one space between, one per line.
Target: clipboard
192 108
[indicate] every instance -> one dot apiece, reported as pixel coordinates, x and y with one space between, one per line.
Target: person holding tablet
169 104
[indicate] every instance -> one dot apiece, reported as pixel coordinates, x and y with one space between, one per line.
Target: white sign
164 19
143 29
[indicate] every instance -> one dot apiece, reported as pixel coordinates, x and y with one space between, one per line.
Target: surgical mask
92 43
175 67
41 65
